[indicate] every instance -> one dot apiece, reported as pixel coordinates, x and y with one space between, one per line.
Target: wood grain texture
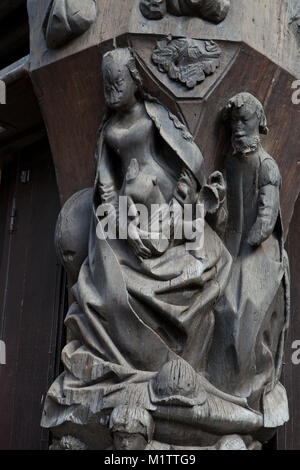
262 24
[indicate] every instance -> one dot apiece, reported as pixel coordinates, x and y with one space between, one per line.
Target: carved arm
269 203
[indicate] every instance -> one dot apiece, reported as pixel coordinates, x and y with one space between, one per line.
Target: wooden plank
32 306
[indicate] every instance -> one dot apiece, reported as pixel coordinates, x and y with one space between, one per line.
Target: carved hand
260 232
135 241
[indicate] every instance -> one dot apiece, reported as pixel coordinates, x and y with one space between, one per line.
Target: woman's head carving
122 80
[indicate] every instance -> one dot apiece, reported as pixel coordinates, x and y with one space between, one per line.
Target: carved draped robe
131 317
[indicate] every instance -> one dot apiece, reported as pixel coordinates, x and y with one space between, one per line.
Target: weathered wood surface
72 107
72 111
67 19
265 28
139 149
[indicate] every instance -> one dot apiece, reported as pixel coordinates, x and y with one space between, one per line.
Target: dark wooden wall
30 295
32 284
289 435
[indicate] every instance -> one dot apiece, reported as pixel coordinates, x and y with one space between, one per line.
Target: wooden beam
15 71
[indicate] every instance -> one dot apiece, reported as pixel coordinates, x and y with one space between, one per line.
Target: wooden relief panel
174 342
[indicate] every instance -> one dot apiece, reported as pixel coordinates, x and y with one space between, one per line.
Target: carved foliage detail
187 61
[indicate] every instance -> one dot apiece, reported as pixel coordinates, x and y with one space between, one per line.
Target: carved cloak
130 318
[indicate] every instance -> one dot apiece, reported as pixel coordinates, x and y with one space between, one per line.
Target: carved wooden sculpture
187 61
67 19
170 347
253 315
127 290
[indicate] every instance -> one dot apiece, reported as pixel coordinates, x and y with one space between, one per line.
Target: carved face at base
119 86
245 130
129 441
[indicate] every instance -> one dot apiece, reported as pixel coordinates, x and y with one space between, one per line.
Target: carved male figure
252 318
211 10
